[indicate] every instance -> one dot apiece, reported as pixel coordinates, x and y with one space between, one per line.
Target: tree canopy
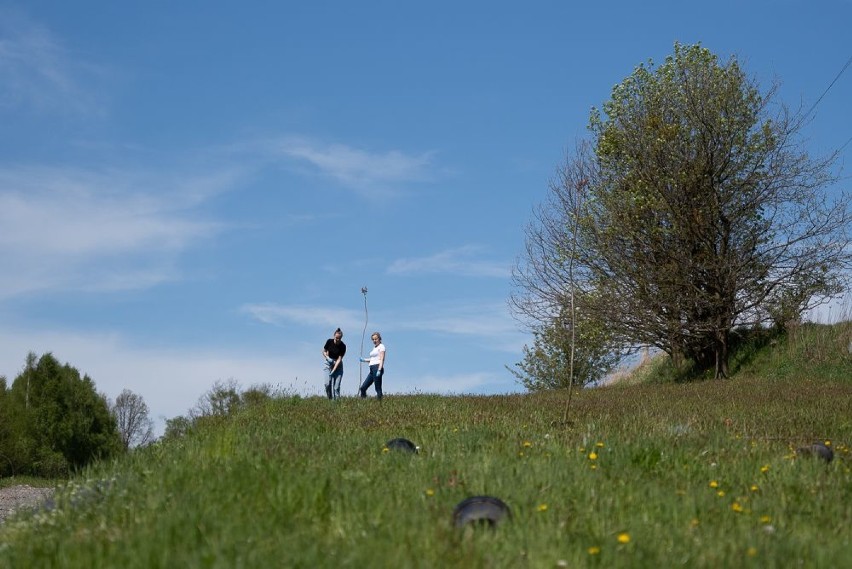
695 209
55 420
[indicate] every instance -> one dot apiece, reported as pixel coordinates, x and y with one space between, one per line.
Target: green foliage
58 421
644 476
704 212
222 400
807 352
547 364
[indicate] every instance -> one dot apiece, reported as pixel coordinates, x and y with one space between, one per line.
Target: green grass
700 474
28 481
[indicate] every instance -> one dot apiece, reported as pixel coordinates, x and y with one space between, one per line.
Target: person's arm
337 363
381 360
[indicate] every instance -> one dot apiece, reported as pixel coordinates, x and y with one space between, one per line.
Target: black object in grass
817 450
401 444
480 511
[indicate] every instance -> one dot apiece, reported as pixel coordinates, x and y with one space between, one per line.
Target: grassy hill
656 474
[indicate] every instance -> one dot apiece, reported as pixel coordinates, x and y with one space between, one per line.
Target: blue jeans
332 386
374 377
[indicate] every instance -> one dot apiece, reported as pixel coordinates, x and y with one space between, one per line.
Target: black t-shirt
335 350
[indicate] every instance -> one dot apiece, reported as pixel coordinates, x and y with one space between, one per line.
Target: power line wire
848 63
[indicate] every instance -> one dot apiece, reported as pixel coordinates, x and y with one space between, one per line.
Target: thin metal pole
361 353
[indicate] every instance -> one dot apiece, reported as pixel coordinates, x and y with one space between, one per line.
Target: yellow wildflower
737 507
594 550
714 484
624 537
765 468
593 455
430 492
542 507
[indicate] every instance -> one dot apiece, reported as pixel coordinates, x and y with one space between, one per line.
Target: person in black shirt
333 352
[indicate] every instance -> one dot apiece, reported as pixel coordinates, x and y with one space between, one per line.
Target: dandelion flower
599 445
527 444
714 484
593 455
594 550
385 449
754 488
764 469
720 493
765 519
430 492
737 507
624 537
542 507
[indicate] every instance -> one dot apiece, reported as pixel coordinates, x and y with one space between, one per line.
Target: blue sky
197 191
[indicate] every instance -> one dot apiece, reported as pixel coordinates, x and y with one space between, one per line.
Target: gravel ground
21 497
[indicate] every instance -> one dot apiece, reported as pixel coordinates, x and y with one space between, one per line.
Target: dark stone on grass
485 511
404 445
816 450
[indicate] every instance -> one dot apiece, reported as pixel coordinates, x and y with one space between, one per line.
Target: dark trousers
374 377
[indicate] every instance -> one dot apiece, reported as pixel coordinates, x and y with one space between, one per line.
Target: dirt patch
21 497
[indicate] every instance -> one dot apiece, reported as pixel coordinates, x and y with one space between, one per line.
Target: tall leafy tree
701 212
64 422
7 466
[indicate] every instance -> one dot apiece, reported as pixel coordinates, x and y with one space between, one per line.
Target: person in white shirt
377 367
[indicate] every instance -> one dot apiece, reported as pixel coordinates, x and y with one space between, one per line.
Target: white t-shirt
374 354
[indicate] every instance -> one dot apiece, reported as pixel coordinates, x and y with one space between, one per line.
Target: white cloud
458 261
38 73
490 323
309 316
372 174
103 230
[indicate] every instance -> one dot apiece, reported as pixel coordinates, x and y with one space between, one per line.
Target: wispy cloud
304 315
459 261
490 322
98 230
371 174
37 72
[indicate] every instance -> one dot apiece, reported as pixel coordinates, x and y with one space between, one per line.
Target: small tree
560 359
221 400
177 427
134 424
